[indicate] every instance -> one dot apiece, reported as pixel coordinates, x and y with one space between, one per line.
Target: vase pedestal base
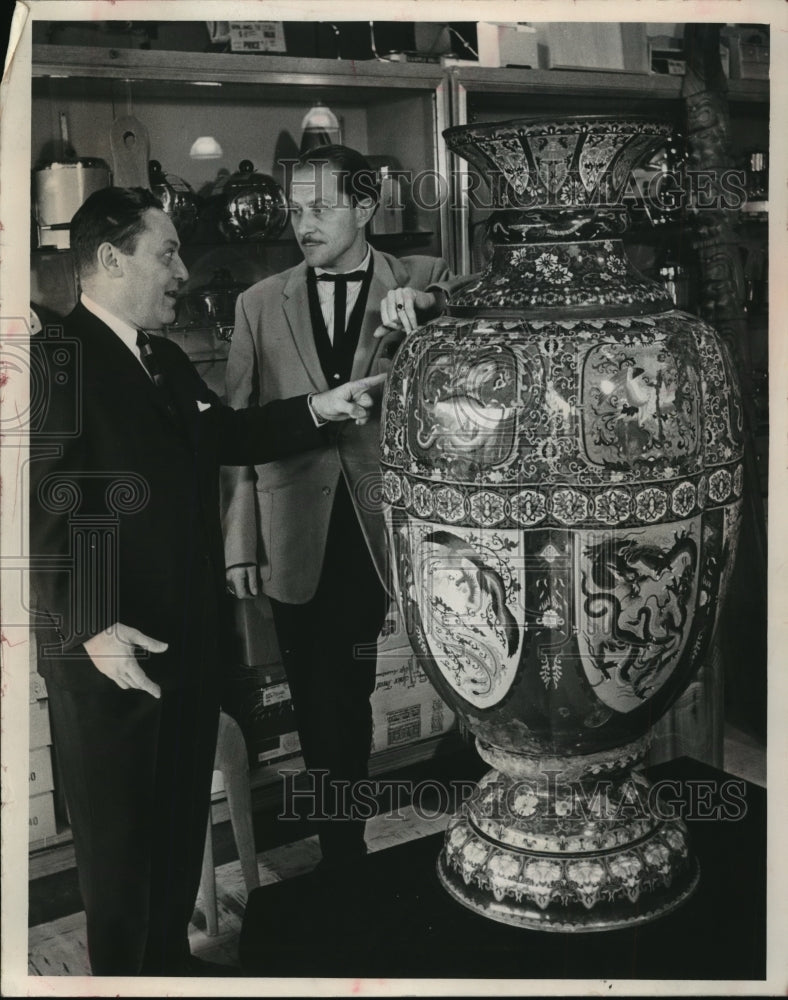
582 855
567 919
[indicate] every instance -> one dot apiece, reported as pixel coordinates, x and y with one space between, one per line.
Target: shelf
221 70
591 83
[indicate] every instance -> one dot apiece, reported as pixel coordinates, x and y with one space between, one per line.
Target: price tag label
257 36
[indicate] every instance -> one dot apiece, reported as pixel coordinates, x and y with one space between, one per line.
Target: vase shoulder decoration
562 468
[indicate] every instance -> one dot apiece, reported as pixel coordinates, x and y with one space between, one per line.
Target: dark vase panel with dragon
551 641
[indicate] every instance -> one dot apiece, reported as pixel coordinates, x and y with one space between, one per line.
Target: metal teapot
177 199
254 206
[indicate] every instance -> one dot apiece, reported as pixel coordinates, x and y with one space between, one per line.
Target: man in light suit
309 529
128 572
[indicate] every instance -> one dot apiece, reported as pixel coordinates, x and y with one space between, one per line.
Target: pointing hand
351 401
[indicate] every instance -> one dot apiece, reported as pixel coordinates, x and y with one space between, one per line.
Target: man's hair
110 215
357 179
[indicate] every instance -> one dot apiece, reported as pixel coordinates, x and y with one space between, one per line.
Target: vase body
562 468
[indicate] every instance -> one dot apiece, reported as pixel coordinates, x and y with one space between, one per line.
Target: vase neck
574 277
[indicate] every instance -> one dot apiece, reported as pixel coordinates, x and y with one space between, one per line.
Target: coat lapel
383 280
116 364
295 303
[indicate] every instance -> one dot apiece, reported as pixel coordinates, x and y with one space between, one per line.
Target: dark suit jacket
124 499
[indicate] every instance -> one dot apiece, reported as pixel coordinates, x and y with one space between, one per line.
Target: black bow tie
349 276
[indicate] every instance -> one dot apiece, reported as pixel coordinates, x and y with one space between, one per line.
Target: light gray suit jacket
277 515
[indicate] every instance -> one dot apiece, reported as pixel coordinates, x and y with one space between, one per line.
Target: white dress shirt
325 292
123 330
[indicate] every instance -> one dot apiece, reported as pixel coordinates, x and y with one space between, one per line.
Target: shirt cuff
319 422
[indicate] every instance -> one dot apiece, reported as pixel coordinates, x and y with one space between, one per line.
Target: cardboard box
40 778
40 732
667 56
607 46
598 45
41 817
503 43
405 706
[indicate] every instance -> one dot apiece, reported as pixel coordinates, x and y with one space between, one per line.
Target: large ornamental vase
562 469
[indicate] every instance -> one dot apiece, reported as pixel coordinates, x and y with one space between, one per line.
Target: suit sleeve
436 278
252 435
261 434
446 284
280 428
74 596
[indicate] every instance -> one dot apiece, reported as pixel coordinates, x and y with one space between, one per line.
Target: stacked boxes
405 706
41 816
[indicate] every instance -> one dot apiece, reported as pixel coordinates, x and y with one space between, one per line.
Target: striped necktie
151 363
149 358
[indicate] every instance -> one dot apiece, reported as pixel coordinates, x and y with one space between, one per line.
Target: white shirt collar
361 267
126 332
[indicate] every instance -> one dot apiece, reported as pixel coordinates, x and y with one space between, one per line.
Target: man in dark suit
128 574
309 529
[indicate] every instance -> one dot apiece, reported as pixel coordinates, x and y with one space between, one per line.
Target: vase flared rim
526 120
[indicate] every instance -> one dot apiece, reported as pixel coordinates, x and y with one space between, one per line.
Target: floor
57 947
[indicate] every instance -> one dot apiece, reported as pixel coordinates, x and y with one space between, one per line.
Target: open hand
351 401
112 652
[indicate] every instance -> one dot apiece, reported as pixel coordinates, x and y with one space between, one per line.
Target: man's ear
365 209
109 260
